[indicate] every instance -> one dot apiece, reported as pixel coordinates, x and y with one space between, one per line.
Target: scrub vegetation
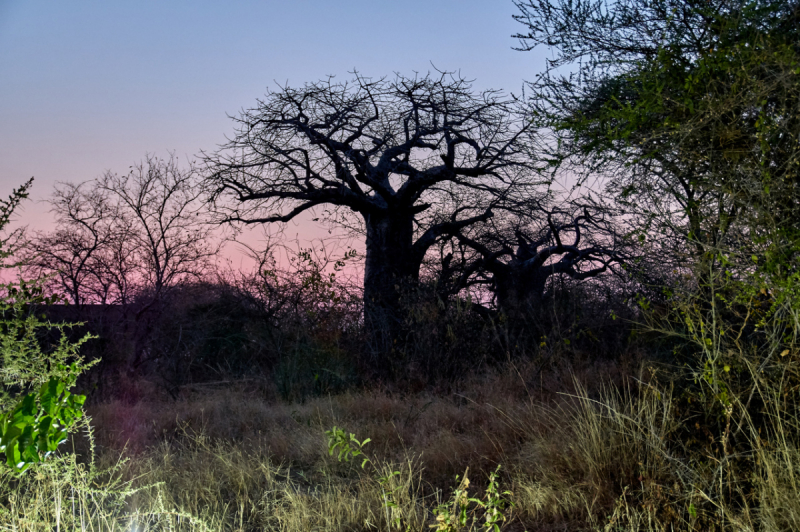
517 356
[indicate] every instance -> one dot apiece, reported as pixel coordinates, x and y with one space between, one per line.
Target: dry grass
236 458
600 455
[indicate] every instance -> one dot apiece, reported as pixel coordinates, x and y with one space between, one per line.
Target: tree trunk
519 291
390 264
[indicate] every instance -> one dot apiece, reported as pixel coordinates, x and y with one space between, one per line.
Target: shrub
36 408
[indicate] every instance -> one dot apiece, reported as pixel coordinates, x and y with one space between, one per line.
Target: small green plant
339 441
348 448
456 514
33 430
452 516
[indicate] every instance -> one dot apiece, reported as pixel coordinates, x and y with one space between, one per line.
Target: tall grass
710 445
67 494
607 457
710 442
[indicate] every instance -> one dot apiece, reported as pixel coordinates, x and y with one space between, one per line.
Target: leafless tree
129 241
76 253
516 255
125 237
161 203
416 159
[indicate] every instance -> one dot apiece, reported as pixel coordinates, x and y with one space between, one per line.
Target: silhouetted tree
517 256
161 204
416 159
128 241
79 252
128 237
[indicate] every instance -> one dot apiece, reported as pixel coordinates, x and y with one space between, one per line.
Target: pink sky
91 86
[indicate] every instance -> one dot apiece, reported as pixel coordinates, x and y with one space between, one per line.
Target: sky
90 86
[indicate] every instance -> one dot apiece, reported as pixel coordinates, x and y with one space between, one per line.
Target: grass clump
707 443
67 493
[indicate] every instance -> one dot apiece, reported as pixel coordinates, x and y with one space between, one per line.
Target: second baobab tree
410 160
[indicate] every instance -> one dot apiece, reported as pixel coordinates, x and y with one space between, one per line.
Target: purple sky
90 86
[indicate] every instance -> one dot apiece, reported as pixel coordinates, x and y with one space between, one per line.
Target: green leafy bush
36 408
34 429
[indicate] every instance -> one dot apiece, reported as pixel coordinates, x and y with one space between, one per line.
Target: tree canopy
416 159
689 108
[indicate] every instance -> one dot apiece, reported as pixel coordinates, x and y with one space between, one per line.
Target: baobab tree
414 160
517 255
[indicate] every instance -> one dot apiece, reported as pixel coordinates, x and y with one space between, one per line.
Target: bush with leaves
36 408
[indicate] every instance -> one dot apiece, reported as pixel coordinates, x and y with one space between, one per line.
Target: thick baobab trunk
520 297
390 264
519 291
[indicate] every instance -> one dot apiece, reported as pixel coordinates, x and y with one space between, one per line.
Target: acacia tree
690 107
416 159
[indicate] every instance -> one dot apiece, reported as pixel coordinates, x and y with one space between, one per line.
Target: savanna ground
235 456
584 441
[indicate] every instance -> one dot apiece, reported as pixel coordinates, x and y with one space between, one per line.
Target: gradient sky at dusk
89 86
